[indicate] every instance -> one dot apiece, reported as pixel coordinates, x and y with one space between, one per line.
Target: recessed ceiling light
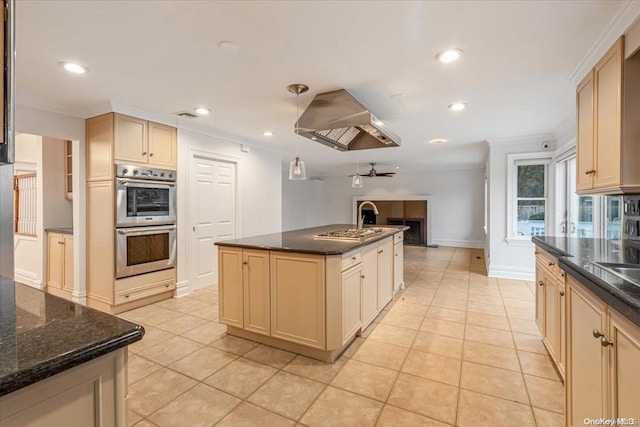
202 111
397 167
438 141
458 106
267 133
449 55
229 46
313 138
397 95
74 68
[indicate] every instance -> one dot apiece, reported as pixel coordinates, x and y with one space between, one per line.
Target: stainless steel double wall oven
145 233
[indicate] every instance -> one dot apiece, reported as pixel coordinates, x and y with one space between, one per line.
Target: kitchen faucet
360 216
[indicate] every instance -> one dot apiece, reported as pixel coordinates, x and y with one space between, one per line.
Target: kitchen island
61 363
309 291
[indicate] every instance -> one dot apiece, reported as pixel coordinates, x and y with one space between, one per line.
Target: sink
630 272
353 234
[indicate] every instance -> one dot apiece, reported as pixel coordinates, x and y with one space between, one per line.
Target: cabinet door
540 295
351 321
624 372
130 139
55 261
562 316
608 113
369 309
551 325
586 362
585 107
257 303
398 266
162 146
385 272
67 247
230 286
297 298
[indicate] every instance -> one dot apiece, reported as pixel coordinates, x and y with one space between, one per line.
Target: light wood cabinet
603 353
607 128
369 288
351 302
385 272
257 294
162 146
231 287
398 265
551 333
60 264
130 141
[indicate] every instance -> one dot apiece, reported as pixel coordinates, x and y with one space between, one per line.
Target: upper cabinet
607 133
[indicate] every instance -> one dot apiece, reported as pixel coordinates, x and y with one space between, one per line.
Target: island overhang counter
305 294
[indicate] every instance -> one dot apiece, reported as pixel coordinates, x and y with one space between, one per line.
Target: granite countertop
575 256
303 241
42 335
59 230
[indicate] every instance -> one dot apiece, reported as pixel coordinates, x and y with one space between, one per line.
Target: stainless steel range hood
340 121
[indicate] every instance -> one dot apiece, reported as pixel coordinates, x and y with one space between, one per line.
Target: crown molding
566 130
522 139
51 108
623 19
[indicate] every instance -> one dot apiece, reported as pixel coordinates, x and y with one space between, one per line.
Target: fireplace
411 213
416 234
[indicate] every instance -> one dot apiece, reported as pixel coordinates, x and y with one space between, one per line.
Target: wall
457 201
302 203
259 191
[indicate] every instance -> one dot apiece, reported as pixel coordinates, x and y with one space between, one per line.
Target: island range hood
340 121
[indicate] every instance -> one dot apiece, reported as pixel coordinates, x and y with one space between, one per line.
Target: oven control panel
138 172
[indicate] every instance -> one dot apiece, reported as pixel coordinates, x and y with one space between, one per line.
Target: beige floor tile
488 321
438 344
248 415
207 332
538 364
403 320
393 335
524 326
381 354
426 397
160 315
145 423
339 408
210 313
155 391
451 303
484 297
234 345
446 314
152 336
545 394
200 406
530 343
547 418
492 309
481 410
287 394
139 367
134 418
169 351
315 369
485 354
489 336
433 367
353 348
241 377
443 327
365 379
181 324
493 381
186 305
203 362
394 417
270 356
411 306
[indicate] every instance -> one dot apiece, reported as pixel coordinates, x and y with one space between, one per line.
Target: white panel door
213 211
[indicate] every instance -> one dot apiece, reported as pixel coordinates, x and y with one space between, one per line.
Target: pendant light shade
357 181
297 172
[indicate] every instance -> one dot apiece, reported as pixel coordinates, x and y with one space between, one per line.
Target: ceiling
163 57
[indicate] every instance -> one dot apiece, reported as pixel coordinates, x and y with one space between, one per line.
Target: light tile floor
454 348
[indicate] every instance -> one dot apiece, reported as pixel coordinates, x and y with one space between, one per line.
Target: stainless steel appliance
145 196
145 249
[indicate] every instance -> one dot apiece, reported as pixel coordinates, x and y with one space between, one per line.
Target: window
24 187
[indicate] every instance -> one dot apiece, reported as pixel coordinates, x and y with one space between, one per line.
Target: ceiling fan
373 172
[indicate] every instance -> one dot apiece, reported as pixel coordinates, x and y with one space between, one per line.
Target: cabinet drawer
127 295
350 259
549 262
398 237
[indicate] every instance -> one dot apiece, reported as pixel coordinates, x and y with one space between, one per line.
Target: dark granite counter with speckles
59 230
303 241
576 257
42 335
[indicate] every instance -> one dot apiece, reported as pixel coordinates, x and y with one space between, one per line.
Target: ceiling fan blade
386 174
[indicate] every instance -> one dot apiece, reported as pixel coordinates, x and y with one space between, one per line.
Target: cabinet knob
126 296
245 262
167 285
541 283
597 333
396 254
587 172
144 153
551 264
150 154
353 258
561 293
605 342
362 276
380 251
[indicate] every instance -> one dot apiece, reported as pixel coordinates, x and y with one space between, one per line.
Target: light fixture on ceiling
229 46
202 111
356 181
267 133
449 55
458 106
438 141
297 171
74 68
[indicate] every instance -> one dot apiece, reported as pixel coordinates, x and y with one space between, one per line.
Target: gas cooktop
352 233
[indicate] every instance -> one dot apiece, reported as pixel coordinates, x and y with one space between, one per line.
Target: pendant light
356 182
297 171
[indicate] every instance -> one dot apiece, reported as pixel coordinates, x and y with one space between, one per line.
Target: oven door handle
123 181
145 230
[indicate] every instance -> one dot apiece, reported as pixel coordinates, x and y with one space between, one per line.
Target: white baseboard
471 244
182 289
507 272
28 278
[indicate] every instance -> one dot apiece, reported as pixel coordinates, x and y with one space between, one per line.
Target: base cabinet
385 272
369 287
60 264
351 302
398 265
